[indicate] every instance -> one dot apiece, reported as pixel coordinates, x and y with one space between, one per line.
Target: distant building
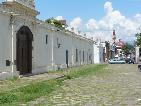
99 53
138 54
119 46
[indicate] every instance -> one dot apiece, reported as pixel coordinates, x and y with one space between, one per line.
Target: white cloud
92 24
59 18
108 7
137 18
113 19
76 22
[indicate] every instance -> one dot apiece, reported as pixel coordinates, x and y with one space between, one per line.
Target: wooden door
24 50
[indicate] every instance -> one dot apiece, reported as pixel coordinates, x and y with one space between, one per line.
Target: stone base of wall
45 69
8 75
39 70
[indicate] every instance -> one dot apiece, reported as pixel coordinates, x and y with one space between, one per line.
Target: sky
84 8
96 18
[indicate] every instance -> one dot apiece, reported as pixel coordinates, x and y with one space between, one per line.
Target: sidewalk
6 85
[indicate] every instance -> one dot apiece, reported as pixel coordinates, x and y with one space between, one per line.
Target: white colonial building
99 53
137 54
29 45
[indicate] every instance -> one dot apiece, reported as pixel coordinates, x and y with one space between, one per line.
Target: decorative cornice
18 7
27 3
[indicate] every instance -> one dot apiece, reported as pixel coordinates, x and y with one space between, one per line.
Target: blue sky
91 13
96 18
84 8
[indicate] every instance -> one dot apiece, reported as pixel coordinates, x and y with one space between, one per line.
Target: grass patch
84 71
44 88
15 78
30 92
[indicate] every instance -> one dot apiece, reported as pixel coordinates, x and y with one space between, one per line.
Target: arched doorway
24 50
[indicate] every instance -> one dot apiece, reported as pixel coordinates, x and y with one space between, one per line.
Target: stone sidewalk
6 85
120 85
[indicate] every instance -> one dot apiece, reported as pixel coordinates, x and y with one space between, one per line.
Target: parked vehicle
139 67
116 61
130 61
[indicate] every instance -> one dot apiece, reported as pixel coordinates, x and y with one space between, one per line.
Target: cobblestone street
119 85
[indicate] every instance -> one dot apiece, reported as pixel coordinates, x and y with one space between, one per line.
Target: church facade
29 45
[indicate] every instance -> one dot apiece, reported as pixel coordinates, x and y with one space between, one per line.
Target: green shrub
7 97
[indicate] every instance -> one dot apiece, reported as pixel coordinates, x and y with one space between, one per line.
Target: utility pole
12 43
12 15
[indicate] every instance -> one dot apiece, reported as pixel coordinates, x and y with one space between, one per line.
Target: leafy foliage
55 22
127 48
107 44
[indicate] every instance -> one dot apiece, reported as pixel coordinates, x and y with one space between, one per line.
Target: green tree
138 42
127 48
55 22
107 44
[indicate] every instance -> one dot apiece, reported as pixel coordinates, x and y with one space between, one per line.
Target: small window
80 55
46 39
83 56
57 41
15 62
7 63
87 58
76 55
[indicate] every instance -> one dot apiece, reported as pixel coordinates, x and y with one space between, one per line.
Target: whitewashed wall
6 45
5 41
48 59
98 54
42 51
71 43
137 54
44 56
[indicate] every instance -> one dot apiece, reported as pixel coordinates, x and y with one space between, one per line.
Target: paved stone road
120 85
